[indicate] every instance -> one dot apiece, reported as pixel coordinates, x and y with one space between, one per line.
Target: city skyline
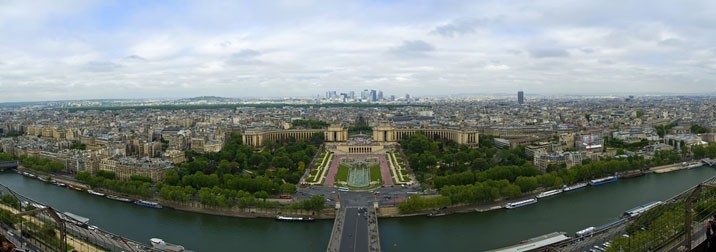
125 50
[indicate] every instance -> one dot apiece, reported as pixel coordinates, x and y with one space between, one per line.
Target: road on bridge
355 230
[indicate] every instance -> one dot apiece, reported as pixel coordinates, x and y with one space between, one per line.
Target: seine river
568 212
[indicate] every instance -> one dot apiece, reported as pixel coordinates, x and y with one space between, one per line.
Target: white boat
286 218
585 232
118 198
549 193
691 166
574 187
78 218
161 245
95 193
641 209
536 243
521 203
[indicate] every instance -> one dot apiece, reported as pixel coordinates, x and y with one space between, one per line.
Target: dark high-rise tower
520 97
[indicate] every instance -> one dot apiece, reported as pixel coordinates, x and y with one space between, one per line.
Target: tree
639 113
698 151
526 184
77 145
287 188
171 177
697 129
5 156
261 195
316 203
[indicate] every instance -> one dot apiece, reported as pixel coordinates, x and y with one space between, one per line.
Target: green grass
375 173
342 174
364 187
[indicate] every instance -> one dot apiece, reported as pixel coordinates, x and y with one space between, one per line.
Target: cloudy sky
162 49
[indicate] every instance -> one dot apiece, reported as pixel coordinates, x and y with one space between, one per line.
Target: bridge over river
355 228
10 164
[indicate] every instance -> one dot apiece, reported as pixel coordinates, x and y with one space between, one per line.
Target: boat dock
355 229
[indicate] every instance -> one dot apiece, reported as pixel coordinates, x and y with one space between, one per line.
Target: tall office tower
352 94
364 95
380 95
520 97
373 95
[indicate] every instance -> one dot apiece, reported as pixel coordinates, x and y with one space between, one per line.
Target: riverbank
270 213
485 207
675 167
195 207
568 212
327 213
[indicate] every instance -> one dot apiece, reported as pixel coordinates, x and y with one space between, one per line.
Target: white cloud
412 48
88 49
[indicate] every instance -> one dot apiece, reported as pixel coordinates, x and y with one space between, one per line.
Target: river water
568 212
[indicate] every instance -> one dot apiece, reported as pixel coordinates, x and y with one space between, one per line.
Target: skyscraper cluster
367 95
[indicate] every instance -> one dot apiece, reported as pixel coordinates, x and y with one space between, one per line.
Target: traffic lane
355 231
349 230
361 241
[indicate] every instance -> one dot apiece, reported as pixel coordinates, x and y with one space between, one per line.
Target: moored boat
75 187
549 193
437 214
641 209
536 244
77 218
286 218
521 203
95 193
602 181
574 187
148 204
631 174
695 165
585 232
118 198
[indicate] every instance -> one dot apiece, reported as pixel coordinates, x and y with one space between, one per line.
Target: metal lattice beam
51 212
688 218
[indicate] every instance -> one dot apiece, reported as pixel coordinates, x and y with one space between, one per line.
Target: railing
678 224
36 218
